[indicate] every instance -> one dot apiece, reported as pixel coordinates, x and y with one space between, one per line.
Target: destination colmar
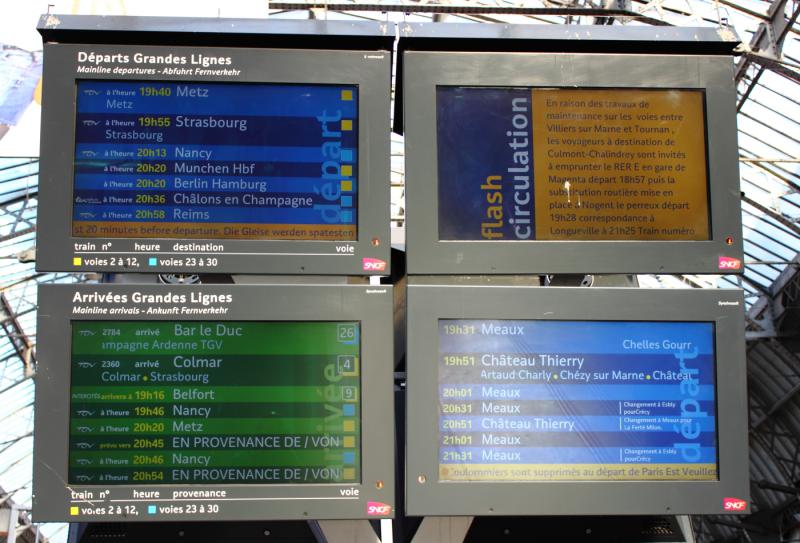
542 360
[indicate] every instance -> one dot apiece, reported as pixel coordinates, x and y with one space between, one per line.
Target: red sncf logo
733 504
376 509
728 263
373 264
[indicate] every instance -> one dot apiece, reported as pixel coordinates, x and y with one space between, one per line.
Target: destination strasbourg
200 402
215 161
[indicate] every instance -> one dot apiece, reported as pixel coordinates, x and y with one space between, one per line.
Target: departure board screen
527 400
200 160
524 164
202 402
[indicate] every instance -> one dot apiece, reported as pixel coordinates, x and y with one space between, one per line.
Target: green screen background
213 402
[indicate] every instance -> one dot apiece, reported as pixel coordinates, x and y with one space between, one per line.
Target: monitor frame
370 70
424 71
372 306
431 301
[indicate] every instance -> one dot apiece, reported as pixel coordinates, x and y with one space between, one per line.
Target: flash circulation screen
226 161
524 164
527 400
212 402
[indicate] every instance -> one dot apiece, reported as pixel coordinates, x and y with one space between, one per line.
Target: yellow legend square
349 473
347 124
347 170
347 95
349 442
77 261
74 511
347 186
349 426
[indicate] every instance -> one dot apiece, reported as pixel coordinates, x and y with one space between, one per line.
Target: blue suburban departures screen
215 161
526 400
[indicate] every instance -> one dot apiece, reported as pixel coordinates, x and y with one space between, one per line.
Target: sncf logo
728 263
733 504
378 509
373 264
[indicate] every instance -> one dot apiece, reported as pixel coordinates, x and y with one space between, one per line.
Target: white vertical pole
13 515
386 531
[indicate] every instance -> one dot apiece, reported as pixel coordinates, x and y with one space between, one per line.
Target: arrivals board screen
205 160
528 400
522 164
212 402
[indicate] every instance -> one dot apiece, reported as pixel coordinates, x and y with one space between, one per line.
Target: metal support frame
770 35
775 439
767 315
623 5
760 319
787 299
473 10
791 226
763 416
765 519
773 64
27 224
768 43
18 523
764 327
772 438
17 336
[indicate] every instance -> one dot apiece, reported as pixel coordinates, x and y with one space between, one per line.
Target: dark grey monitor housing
258 51
699 60
426 492
60 306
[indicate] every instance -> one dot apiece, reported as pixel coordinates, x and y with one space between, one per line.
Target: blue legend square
153 262
349 410
349 458
347 201
151 509
347 216
347 155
